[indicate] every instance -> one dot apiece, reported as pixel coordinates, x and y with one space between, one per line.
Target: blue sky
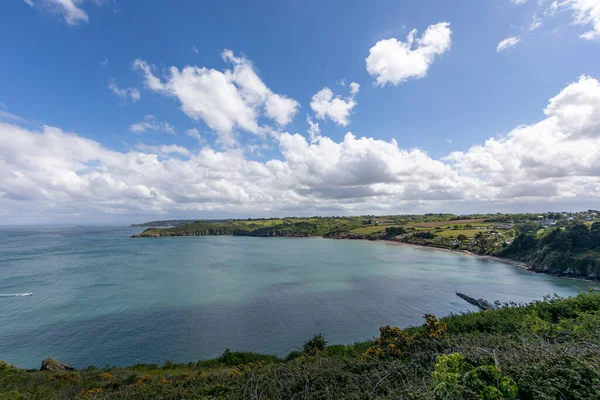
58 59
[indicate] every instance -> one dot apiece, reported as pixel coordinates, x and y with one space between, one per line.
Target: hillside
547 350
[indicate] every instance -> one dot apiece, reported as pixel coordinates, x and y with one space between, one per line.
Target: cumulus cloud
226 101
551 162
124 94
326 105
562 151
507 43
151 123
393 61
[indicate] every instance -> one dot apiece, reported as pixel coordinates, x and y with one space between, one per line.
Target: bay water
101 298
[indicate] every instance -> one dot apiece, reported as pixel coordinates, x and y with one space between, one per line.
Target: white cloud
150 123
585 12
104 62
545 165
162 150
536 22
507 43
518 2
125 94
393 61
313 129
327 105
560 153
71 11
194 49
226 101
194 133
576 108
281 109
5 115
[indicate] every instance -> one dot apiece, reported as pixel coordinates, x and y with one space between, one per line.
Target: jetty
481 303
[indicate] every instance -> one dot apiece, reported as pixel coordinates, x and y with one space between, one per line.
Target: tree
595 234
580 236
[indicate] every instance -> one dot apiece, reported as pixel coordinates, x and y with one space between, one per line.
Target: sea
99 297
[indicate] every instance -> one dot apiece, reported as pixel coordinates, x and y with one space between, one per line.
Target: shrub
392 342
454 378
315 345
434 329
234 358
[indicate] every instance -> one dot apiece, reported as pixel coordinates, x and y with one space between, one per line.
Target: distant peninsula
557 243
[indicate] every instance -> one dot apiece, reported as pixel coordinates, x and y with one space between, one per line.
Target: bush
315 345
455 378
392 342
233 358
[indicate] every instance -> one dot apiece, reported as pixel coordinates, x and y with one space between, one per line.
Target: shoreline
515 263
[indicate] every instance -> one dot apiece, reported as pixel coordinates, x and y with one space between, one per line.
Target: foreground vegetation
547 350
557 243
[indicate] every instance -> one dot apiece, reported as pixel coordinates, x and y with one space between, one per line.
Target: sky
124 111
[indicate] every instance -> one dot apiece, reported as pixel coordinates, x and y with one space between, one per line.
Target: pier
481 303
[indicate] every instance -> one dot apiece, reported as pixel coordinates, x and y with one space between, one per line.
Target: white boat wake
16 294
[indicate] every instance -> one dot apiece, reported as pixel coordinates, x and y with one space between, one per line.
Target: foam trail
16 294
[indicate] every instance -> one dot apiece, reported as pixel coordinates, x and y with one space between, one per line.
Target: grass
370 229
447 223
470 233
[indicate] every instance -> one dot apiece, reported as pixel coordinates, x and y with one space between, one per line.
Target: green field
369 229
470 233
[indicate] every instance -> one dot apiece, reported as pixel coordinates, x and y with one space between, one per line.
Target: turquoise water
101 298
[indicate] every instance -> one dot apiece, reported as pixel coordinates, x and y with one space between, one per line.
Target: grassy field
470 233
369 229
447 223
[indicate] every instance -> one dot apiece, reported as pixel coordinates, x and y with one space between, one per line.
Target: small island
557 243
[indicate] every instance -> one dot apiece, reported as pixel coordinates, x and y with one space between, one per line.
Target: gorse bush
392 342
433 328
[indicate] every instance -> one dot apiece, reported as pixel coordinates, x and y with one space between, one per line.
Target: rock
50 364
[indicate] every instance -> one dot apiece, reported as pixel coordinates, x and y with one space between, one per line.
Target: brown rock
50 364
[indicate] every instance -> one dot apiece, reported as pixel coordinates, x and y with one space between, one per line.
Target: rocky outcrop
50 364
146 234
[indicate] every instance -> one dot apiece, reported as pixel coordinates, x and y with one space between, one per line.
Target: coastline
515 263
